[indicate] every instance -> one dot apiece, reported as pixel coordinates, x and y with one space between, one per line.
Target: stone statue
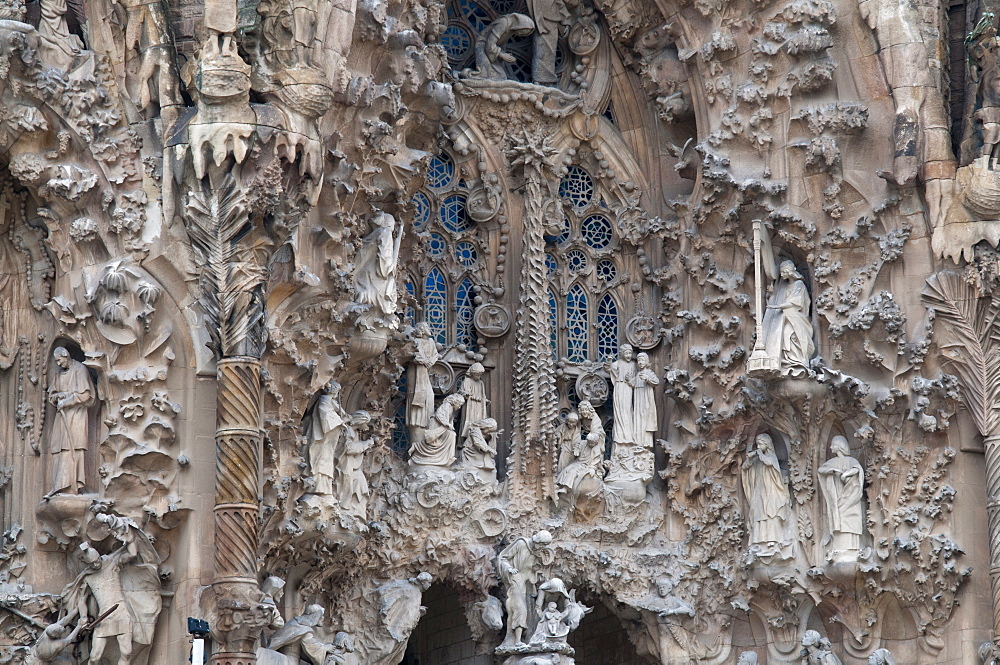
517 568
644 403
297 639
662 613
490 55
55 639
128 578
326 429
788 333
551 18
437 447
53 28
622 372
351 486
479 450
841 480
375 271
420 393
71 393
400 610
558 611
881 657
568 436
474 390
769 507
588 456
817 650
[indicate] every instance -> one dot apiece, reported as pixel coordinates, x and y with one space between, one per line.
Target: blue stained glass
596 231
466 254
551 265
502 7
577 336
436 245
465 331
421 210
607 328
577 187
400 433
409 316
576 260
436 305
476 15
606 270
562 237
456 41
610 114
452 214
440 168
554 325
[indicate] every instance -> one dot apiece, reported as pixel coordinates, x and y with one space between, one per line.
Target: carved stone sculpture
841 480
816 650
327 427
517 567
568 435
644 403
768 502
588 462
881 657
375 275
400 609
420 390
788 333
479 450
623 371
437 447
474 390
550 18
71 393
351 486
490 55
297 640
662 613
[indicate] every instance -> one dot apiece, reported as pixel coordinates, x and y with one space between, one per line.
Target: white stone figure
375 271
588 455
568 434
550 17
437 448
400 610
552 624
297 640
474 390
788 333
644 402
881 657
71 393
55 639
479 450
841 481
325 432
53 28
817 650
490 55
351 487
622 372
767 498
517 566
662 613
420 390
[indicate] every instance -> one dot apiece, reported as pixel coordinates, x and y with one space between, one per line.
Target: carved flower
131 408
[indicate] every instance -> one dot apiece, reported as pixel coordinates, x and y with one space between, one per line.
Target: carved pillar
238 442
992 445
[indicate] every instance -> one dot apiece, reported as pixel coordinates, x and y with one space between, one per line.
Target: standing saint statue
375 274
437 448
326 428
551 18
517 568
767 496
788 333
474 390
480 449
644 403
622 373
841 480
568 435
71 393
420 393
352 489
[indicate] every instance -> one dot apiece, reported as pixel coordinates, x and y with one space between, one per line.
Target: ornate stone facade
510 332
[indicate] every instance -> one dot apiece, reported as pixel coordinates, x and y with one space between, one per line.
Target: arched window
577 335
607 328
465 332
436 305
554 324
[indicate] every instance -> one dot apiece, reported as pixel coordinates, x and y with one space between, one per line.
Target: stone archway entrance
443 636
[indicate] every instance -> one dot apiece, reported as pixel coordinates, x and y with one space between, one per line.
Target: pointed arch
607 328
465 331
577 317
436 304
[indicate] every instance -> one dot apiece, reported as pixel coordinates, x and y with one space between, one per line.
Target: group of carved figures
770 518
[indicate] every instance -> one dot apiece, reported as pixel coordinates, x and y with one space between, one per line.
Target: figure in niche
588 455
551 19
326 429
297 640
490 55
841 480
788 333
568 434
644 402
437 447
352 487
480 449
72 394
474 390
817 650
127 577
375 272
622 372
767 496
517 568
420 394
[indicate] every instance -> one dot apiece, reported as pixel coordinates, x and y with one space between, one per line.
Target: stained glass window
606 270
576 260
465 331
607 328
554 324
409 316
422 210
596 231
577 334
452 214
467 19
440 171
400 434
466 254
551 265
562 237
436 304
436 245
577 187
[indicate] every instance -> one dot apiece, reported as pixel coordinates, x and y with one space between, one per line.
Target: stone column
992 446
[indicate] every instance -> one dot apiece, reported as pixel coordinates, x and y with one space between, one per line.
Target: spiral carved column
992 445
238 444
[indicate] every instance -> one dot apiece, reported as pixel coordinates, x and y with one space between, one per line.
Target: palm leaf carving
216 220
970 343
